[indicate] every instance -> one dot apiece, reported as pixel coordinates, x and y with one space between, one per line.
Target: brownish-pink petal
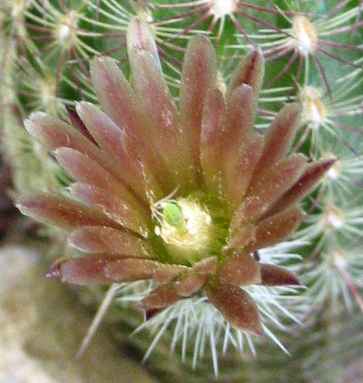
250 71
133 269
270 185
151 313
272 275
280 135
241 235
62 212
236 305
54 134
119 102
112 140
161 119
237 180
113 207
199 75
192 281
81 271
239 270
160 298
103 239
206 266
115 95
140 37
167 273
160 114
85 170
304 185
211 139
240 114
78 124
276 228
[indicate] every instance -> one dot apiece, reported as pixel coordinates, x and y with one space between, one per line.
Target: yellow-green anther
173 215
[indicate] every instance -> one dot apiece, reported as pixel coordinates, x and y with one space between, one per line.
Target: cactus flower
183 195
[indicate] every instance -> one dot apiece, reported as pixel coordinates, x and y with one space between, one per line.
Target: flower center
305 37
185 227
314 110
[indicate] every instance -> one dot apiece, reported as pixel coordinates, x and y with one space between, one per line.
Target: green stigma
173 215
186 228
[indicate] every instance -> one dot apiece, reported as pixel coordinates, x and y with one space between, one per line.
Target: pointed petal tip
19 203
256 53
237 307
148 313
84 104
297 282
329 163
100 64
250 70
140 39
256 58
257 330
322 166
34 116
277 276
102 59
83 108
30 126
244 88
292 111
239 270
36 121
92 113
292 280
139 34
202 38
296 106
25 204
200 42
160 298
141 306
309 180
151 313
59 152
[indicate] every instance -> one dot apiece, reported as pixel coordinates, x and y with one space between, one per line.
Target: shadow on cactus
182 197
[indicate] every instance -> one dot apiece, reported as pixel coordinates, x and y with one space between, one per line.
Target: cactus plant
54 57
